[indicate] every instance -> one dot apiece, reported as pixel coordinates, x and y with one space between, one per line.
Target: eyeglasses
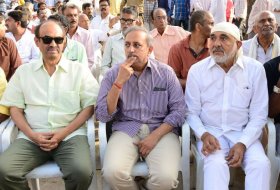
128 21
48 39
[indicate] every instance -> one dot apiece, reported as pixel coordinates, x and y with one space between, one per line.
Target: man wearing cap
227 102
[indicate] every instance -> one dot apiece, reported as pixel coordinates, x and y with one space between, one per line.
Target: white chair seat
47 170
140 169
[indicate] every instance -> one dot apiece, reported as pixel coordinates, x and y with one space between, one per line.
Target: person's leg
185 24
20 158
176 22
120 156
216 170
73 158
164 162
257 168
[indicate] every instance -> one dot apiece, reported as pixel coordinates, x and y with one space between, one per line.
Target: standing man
17 30
164 35
265 45
182 13
240 11
193 48
71 11
50 113
226 98
145 100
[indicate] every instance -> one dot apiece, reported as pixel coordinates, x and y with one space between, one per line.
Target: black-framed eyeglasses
128 21
48 39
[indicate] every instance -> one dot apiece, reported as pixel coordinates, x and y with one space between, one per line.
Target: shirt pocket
241 97
67 101
158 101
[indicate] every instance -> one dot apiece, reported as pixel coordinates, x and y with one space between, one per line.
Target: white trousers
121 155
255 165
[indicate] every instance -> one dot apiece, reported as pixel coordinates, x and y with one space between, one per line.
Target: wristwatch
276 89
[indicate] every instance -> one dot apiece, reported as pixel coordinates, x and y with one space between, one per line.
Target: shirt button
141 92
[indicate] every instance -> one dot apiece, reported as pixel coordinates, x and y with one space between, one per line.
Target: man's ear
151 48
239 44
36 41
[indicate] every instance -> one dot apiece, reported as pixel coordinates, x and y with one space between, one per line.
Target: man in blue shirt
182 13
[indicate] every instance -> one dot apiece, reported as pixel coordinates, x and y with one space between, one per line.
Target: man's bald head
84 21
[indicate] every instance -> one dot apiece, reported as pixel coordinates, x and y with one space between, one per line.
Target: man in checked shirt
145 100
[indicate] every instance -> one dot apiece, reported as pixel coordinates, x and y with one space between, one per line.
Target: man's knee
163 181
80 175
115 174
259 165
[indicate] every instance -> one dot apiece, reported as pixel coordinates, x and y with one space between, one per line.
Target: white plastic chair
272 155
49 169
141 168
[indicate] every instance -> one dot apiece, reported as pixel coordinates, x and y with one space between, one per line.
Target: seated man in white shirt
227 105
17 31
265 45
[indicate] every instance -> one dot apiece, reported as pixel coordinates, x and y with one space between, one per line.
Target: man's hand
125 71
43 139
113 21
236 154
146 145
210 144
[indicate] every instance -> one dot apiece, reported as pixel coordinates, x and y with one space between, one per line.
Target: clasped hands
48 141
211 144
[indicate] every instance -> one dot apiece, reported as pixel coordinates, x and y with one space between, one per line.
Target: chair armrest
102 141
186 155
271 146
91 138
9 134
3 126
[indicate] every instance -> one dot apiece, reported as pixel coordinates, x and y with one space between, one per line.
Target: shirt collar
119 36
237 63
168 31
259 45
63 64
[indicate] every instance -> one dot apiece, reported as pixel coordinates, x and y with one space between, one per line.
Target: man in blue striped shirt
146 102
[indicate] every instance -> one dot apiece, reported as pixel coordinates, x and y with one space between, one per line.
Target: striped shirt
153 98
182 9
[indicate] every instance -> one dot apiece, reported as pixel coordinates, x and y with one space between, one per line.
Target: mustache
131 55
218 49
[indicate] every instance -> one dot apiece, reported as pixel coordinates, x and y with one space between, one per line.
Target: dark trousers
183 23
72 156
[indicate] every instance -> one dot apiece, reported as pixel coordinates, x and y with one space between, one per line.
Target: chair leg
35 184
274 173
199 174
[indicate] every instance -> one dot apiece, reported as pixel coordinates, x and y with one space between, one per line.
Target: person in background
88 10
164 35
181 9
194 47
265 45
10 59
16 24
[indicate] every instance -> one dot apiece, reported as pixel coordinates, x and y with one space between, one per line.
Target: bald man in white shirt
227 105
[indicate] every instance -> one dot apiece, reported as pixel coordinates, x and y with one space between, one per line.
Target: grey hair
149 38
258 16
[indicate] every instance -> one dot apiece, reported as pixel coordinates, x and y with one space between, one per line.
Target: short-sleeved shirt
181 58
51 102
